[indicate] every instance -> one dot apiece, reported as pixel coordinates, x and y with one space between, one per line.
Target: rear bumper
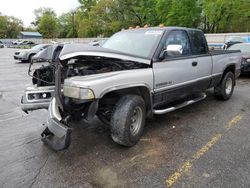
35 98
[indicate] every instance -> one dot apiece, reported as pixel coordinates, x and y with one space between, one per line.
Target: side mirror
172 50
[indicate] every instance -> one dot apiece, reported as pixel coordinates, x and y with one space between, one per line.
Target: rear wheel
128 119
225 89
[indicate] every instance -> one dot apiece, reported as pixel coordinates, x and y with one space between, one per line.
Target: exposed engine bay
82 66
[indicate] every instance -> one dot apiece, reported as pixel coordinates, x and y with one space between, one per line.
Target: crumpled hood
69 51
46 54
74 50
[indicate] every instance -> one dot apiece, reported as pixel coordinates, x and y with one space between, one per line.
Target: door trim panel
160 89
176 92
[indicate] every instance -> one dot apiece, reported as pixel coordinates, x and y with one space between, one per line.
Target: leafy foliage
226 15
10 26
184 13
47 23
104 17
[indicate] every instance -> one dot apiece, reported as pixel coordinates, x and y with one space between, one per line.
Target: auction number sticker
153 32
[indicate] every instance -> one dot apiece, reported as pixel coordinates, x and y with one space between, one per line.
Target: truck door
175 75
203 58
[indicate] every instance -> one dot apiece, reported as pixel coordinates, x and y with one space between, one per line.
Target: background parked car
23 42
233 40
15 42
1 44
26 55
245 50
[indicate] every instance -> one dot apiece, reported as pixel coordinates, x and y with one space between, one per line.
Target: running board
178 106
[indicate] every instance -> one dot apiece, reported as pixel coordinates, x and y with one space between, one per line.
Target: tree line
95 18
10 26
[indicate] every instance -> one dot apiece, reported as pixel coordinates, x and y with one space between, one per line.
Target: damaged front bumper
57 135
35 98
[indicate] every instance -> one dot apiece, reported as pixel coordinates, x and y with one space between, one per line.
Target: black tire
223 91
128 120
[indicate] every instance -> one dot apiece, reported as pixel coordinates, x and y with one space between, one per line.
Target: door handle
194 64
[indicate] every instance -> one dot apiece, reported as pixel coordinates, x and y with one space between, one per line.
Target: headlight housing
245 61
22 53
78 93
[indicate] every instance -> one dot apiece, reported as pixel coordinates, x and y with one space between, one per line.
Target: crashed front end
68 104
57 134
74 99
41 93
35 98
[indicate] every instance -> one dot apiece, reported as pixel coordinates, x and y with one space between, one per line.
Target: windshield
136 42
38 47
244 48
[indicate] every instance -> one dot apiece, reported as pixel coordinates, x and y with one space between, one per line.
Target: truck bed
219 52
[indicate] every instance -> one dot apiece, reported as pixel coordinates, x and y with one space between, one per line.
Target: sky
23 9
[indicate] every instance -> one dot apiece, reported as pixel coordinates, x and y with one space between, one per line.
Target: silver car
1 44
245 51
27 54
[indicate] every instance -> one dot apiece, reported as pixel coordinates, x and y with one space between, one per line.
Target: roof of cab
165 28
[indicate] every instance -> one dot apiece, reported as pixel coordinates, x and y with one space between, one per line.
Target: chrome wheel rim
136 121
229 86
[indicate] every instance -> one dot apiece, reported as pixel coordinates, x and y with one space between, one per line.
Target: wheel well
114 96
230 68
30 55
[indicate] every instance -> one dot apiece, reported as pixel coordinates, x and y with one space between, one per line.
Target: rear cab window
198 42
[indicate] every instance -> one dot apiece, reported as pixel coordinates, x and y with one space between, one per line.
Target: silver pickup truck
136 74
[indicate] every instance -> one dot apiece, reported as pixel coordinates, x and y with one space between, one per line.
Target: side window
177 40
198 42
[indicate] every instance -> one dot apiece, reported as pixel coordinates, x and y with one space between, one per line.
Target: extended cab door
174 76
203 59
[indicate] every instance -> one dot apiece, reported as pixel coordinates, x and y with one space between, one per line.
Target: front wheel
30 58
225 89
128 119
